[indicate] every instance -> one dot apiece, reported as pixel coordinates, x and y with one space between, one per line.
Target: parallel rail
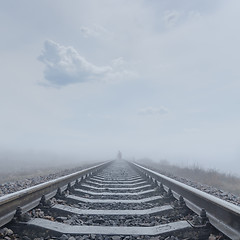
223 215
30 197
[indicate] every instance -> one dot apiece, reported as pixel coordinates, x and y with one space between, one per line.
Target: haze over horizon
154 79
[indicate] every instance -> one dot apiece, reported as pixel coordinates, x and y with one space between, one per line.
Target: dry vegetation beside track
210 177
15 179
23 174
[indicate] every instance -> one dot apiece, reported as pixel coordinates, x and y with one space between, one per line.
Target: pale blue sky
155 79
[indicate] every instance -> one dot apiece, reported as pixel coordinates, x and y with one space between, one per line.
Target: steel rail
30 197
223 215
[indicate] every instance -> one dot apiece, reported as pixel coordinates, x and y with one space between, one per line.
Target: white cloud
94 31
153 111
119 62
87 32
175 18
171 18
64 65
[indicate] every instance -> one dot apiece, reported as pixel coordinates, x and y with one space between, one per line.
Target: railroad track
116 200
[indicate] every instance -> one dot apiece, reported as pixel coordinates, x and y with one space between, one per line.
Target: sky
151 78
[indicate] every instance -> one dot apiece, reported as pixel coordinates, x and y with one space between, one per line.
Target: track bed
118 202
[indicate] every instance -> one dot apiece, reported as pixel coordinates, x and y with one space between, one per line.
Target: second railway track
116 201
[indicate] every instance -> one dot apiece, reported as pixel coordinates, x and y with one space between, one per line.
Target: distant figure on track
119 156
